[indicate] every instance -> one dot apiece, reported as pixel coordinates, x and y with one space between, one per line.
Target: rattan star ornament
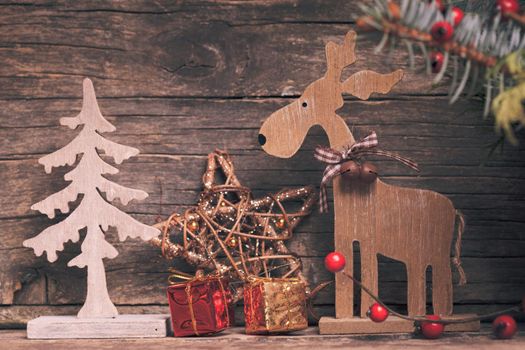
230 233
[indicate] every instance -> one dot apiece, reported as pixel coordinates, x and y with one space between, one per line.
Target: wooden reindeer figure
413 226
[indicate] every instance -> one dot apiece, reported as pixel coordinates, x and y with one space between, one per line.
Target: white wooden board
122 326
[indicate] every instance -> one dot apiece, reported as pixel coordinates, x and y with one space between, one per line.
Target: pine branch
491 45
413 34
518 18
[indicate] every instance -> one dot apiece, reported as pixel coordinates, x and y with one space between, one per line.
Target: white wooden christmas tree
94 212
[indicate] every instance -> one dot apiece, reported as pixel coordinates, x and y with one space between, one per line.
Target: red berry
457 15
432 330
508 6
504 327
377 312
442 31
436 61
335 262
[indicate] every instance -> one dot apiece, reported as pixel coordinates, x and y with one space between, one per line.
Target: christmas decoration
350 170
98 317
368 173
507 7
431 326
231 234
377 313
489 46
413 226
457 15
504 327
431 330
338 164
442 31
93 212
334 262
275 305
200 306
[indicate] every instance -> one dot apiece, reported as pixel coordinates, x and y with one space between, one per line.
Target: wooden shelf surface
236 339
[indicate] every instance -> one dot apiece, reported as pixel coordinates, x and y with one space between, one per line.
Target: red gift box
200 306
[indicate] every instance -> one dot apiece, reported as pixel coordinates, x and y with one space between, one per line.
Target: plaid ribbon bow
335 158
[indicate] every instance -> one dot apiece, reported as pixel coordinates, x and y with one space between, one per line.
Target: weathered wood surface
182 78
309 339
163 48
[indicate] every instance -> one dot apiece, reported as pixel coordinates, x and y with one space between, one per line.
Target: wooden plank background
180 78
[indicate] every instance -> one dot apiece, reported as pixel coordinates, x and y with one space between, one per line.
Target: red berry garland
457 15
432 330
436 61
508 6
504 327
377 313
335 262
442 31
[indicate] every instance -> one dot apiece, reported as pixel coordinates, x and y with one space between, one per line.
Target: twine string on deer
456 260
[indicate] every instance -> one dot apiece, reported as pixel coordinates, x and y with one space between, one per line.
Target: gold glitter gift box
275 305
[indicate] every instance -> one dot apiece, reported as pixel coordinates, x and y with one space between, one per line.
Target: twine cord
456 260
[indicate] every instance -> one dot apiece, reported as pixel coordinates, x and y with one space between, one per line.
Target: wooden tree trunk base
122 326
357 325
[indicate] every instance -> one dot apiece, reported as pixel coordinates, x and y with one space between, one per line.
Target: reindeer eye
305 104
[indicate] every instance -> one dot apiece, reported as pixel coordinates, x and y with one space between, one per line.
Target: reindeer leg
416 289
442 288
369 277
344 286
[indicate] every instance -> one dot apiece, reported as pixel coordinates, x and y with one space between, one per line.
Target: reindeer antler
339 56
362 84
